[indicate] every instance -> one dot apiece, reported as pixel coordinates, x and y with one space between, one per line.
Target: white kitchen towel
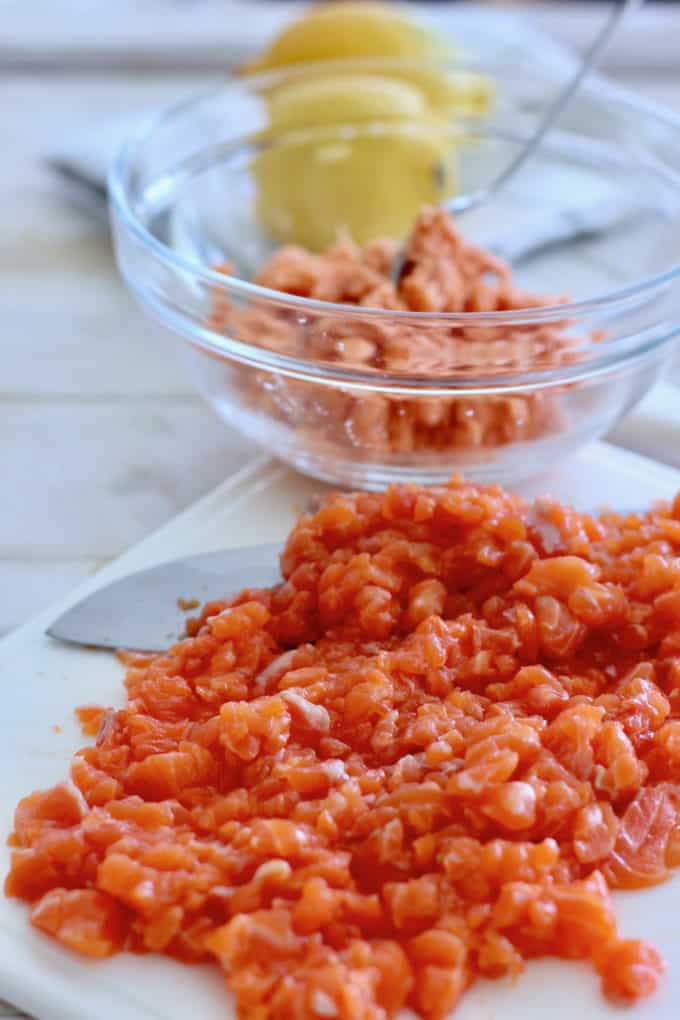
653 427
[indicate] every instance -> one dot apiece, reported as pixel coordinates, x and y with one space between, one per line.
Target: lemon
343 99
358 149
447 91
414 88
355 29
310 192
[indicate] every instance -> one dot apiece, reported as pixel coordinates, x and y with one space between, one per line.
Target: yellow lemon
392 150
344 98
350 154
312 192
356 29
451 91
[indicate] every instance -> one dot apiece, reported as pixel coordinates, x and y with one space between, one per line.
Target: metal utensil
460 204
143 611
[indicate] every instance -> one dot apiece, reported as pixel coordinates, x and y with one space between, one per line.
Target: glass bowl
498 395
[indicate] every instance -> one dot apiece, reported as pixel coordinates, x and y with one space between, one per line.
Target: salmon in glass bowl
232 226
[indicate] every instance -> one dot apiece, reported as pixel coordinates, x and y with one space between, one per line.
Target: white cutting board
43 681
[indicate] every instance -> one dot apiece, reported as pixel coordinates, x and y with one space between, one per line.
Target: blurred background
102 437
95 34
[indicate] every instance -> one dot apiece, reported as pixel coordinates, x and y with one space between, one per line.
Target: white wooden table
102 439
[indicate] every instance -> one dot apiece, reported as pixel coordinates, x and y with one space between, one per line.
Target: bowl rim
121 207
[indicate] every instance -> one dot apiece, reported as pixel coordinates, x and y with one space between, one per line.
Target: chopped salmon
426 756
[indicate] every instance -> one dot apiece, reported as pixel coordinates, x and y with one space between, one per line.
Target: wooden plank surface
103 437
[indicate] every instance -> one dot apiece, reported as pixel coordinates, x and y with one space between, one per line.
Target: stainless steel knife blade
141 612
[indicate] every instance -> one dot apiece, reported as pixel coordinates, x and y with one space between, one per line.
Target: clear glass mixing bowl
288 372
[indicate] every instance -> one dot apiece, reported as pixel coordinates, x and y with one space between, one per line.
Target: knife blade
141 612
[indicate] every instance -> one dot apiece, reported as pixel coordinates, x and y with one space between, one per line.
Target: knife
142 612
